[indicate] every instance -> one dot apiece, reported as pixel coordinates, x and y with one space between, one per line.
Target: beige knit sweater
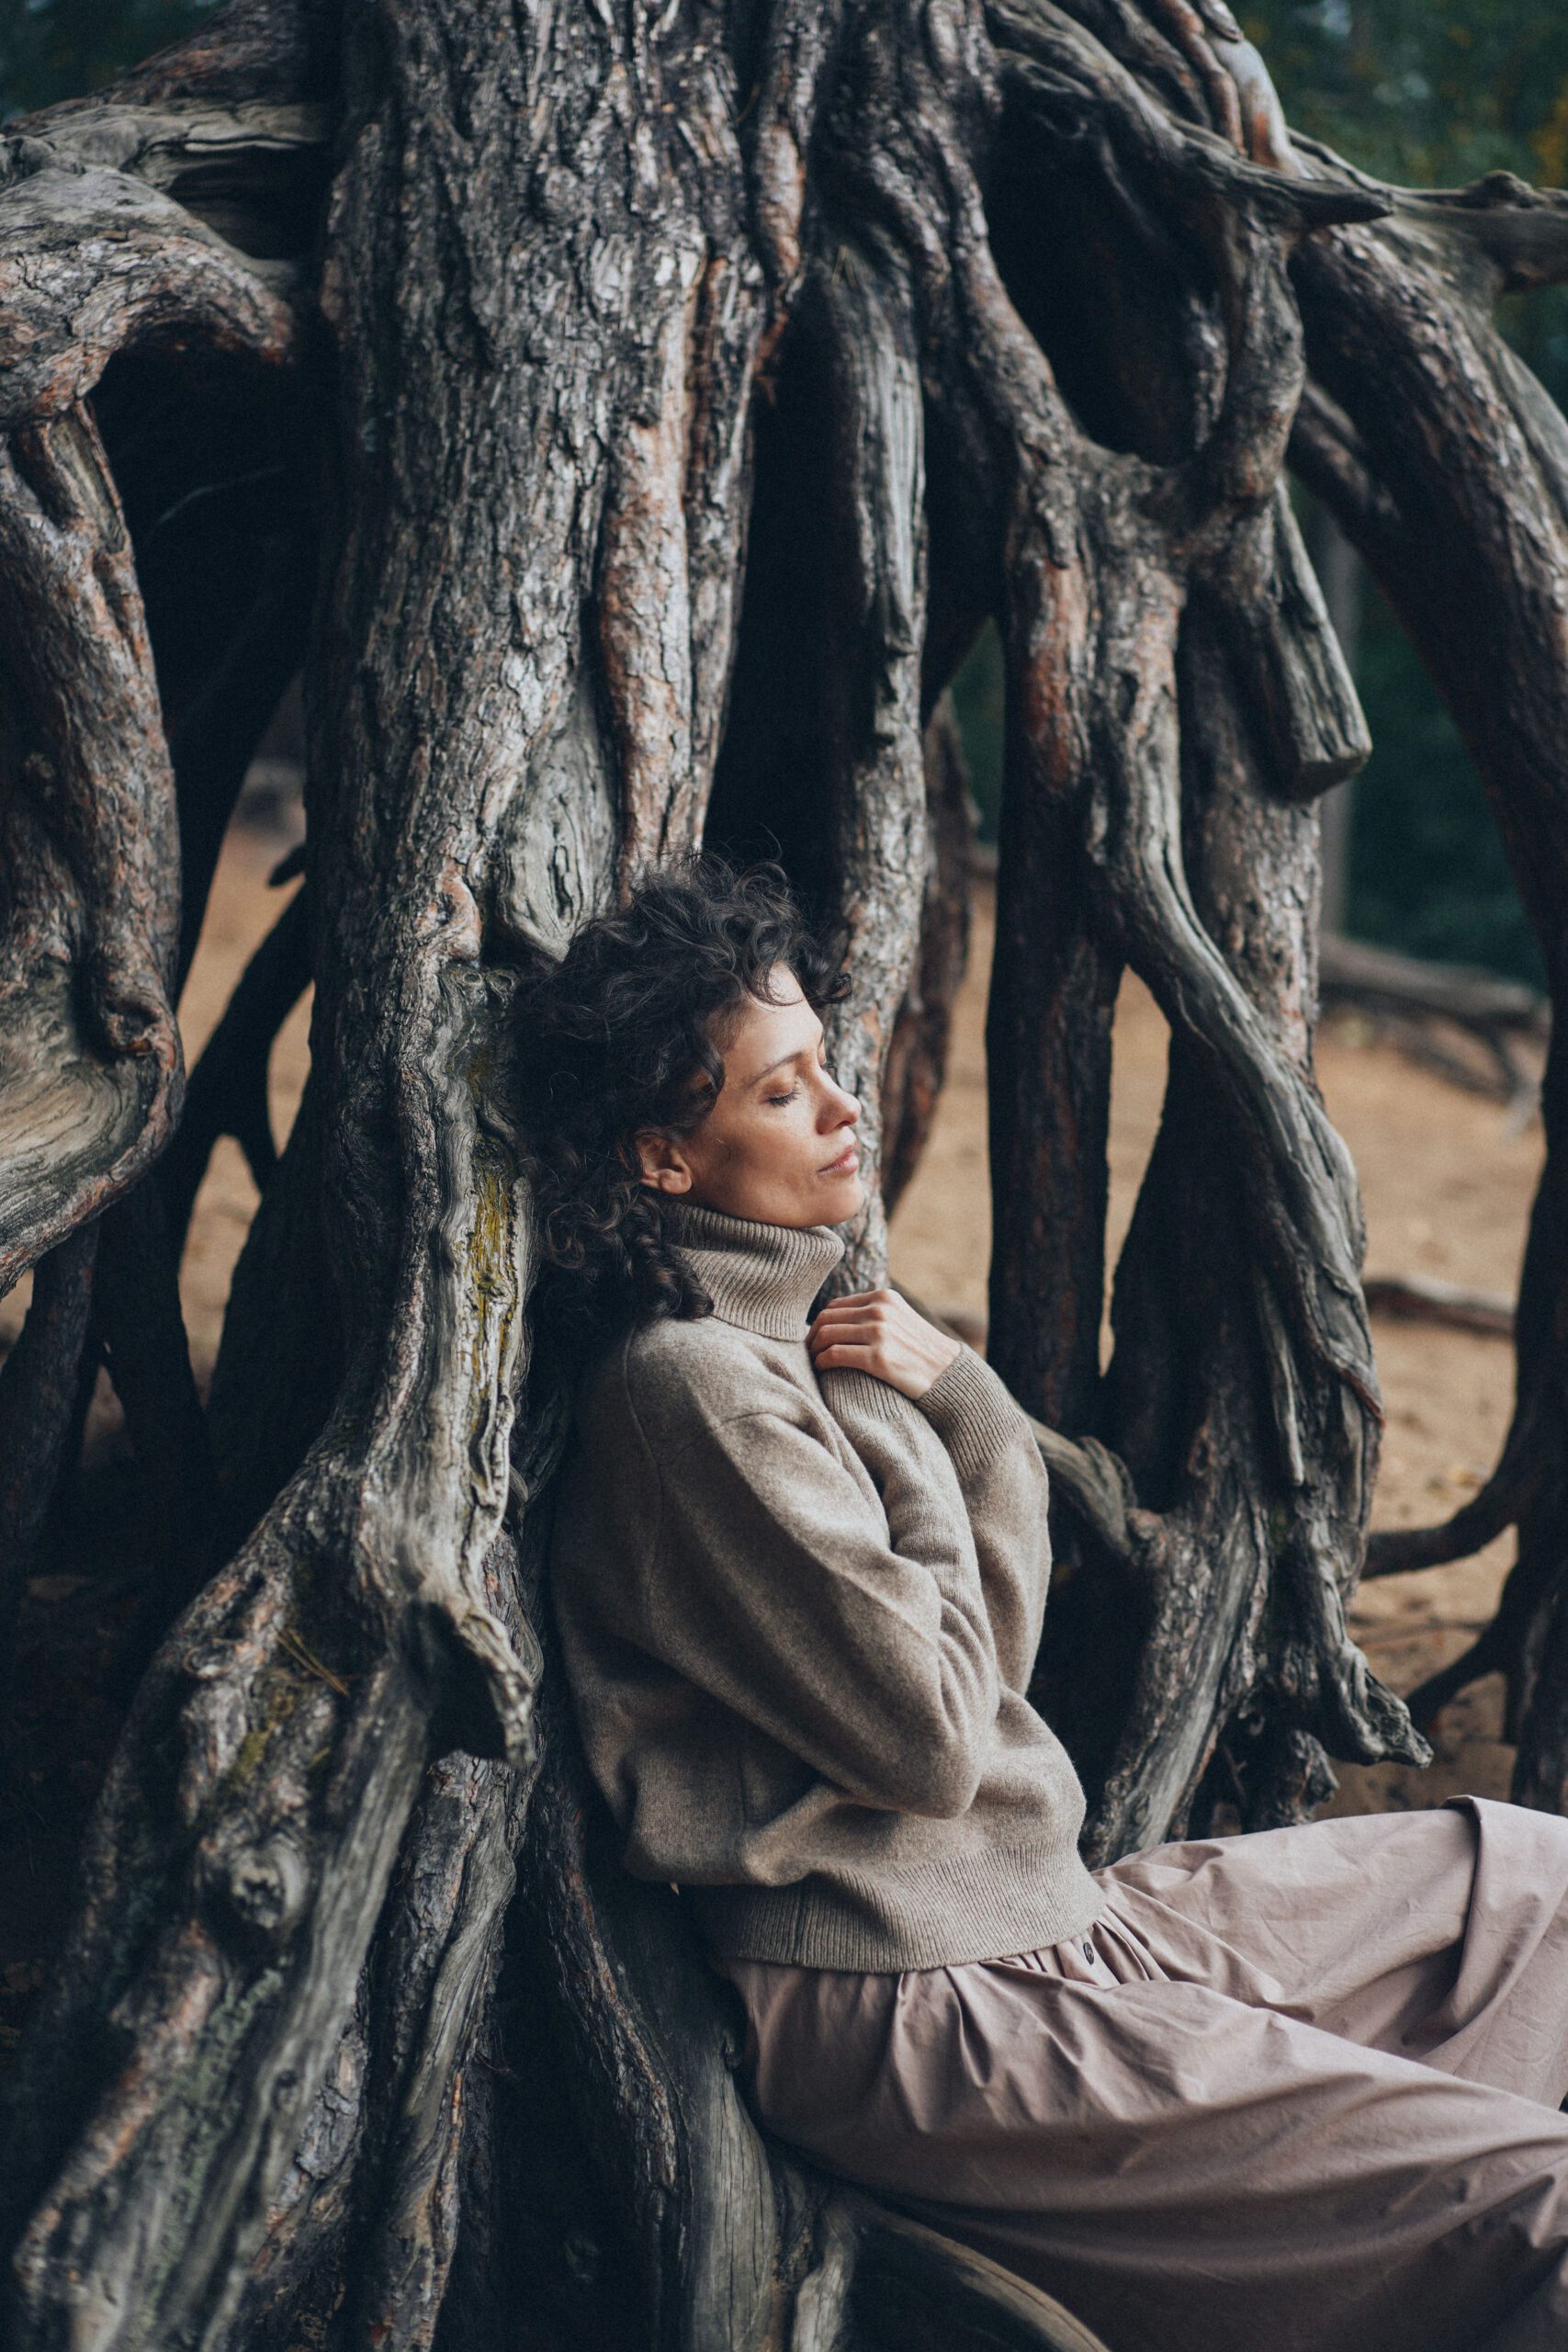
798 1617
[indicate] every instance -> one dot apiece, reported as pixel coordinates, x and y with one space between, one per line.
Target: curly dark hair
625 1035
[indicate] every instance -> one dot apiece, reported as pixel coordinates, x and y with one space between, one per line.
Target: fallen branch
1408 994
1350 970
1423 1298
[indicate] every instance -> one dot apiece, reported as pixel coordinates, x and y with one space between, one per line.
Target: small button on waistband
1089 1951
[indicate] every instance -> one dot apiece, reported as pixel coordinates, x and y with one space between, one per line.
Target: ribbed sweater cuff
972 1413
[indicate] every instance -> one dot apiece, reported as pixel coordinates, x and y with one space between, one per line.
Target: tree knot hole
263 1889
210 1661
130 1009
452 916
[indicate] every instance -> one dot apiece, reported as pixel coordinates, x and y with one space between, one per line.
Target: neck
762 1277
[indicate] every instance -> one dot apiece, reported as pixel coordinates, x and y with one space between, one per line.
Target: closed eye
780 1101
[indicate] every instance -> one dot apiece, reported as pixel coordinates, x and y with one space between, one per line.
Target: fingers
866 1301
844 1326
845 1355
882 1308
877 1331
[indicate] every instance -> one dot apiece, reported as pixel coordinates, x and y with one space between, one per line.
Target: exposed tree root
1448 468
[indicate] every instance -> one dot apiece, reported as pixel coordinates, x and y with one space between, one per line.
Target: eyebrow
793 1056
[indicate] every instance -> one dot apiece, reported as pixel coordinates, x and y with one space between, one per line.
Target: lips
848 1160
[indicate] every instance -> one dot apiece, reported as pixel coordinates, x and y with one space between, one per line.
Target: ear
664 1167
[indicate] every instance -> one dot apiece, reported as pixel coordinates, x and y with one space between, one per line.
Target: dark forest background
1422 92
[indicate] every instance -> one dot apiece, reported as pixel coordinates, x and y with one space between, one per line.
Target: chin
847 1197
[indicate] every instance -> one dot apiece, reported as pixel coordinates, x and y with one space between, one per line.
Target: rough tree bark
658 399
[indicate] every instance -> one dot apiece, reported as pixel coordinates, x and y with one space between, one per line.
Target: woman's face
778 1146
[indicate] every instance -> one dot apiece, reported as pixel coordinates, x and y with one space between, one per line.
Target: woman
1297 2089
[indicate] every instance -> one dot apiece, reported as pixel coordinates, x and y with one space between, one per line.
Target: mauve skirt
1293 2092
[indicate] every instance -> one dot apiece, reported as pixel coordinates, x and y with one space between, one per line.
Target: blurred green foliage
62 49
1431 94
1426 93
1427 870
979 703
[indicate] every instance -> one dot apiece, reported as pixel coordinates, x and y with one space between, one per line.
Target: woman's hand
877 1331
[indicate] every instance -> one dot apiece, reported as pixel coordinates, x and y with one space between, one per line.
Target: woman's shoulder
677 1376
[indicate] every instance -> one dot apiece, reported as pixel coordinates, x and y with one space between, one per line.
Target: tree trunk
658 399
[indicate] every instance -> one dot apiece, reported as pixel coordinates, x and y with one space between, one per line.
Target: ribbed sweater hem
987 1907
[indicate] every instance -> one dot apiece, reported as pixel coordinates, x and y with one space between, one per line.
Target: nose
844 1107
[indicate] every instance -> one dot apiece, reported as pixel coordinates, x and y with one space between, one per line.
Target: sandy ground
242 909
1447 1191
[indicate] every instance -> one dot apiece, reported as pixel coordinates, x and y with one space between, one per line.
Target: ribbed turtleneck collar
762 1277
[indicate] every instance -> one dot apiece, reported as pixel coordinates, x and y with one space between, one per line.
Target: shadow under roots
211 456
1118 302
774 788
66 1703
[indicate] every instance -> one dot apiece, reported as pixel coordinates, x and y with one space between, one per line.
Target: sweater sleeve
1006 1493
773 1586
